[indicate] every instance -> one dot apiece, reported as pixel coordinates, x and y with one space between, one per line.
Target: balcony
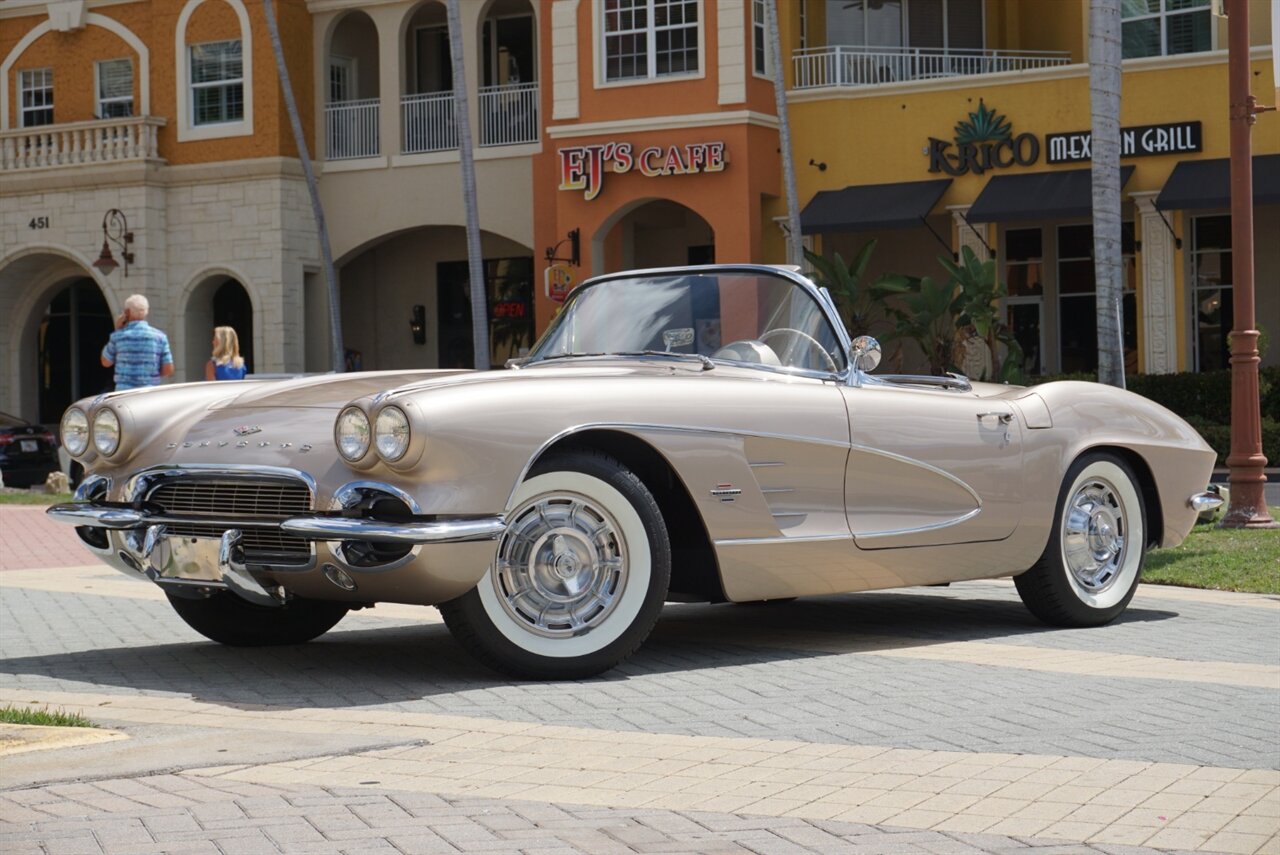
509 114
852 66
78 143
351 129
428 123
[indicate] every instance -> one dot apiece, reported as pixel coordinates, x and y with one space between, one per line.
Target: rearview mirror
866 353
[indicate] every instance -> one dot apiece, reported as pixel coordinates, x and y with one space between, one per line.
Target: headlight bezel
86 432
368 441
99 418
400 433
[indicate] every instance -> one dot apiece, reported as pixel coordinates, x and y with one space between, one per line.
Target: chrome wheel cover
1094 535
561 565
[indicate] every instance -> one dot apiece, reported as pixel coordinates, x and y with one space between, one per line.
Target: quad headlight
106 432
75 431
391 433
351 433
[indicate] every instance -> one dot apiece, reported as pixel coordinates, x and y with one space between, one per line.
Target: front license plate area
191 558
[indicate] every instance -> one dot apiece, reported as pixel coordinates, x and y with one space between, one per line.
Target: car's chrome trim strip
758 541
928 467
377 531
872 535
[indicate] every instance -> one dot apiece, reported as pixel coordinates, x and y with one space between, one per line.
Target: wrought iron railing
845 65
351 129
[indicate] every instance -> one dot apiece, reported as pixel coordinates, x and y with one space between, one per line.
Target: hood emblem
245 430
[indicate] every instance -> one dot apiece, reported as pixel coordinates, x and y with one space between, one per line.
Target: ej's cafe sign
583 167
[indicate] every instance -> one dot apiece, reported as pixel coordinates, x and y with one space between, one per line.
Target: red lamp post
1248 506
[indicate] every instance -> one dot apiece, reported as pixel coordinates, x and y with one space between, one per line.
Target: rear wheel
228 619
579 577
1090 568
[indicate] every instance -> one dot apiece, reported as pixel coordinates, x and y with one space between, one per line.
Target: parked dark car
28 453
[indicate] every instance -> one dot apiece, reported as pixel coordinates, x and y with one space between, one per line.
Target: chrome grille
252 506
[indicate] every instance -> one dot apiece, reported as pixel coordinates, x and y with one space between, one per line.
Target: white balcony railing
351 129
75 143
845 65
427 120
509 114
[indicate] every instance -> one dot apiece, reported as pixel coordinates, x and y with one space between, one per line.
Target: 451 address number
38 223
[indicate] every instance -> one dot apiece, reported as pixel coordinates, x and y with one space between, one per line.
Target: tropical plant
1104 104
984 125
861 305
475 258
923 314
337 354
978 292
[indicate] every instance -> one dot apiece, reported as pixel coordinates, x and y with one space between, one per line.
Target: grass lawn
26 497
56 718
1223 559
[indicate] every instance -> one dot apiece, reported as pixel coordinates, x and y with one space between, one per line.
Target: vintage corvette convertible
703 433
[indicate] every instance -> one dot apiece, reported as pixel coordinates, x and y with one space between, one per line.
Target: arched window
214 74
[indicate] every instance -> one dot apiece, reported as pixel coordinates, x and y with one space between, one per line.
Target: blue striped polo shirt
137 351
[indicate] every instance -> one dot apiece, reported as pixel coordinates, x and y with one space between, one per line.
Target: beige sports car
692 434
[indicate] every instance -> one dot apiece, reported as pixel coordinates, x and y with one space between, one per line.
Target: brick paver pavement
939 720
29 539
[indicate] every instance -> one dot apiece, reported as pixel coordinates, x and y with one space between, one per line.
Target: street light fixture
115 229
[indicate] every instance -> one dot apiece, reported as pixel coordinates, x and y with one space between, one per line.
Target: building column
1158 285
391 76
967 235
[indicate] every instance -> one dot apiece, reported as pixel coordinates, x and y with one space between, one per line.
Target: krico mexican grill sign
583 167
986 141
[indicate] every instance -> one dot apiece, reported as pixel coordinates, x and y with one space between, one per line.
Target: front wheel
1090 568
228 619
579 577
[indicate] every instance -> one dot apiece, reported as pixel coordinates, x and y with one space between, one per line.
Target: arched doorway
405 300
659 233
71 334
54 322
218 301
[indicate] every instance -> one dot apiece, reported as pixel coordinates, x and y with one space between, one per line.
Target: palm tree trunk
1104 102
475 259
338 359
795 242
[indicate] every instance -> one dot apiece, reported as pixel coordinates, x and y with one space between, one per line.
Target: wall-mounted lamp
821 164
575 250
418 324
115 229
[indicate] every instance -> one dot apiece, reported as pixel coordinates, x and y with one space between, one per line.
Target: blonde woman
226 364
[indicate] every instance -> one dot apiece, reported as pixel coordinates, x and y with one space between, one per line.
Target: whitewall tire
1092 563
578 578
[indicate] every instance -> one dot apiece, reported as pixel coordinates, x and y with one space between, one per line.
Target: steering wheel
789 349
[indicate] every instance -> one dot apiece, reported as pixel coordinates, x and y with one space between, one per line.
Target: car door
930 467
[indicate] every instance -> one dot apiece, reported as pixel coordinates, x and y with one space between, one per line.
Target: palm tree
1104 103
475 259
317 210
795 243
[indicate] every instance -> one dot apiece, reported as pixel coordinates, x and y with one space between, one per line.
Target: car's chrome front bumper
316 527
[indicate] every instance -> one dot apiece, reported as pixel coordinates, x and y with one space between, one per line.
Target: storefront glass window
1211 291
650 38
1077 303
1024 275
1165 27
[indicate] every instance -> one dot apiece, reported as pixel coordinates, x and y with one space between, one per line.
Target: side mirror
866 354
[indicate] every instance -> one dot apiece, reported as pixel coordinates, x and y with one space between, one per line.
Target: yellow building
935 125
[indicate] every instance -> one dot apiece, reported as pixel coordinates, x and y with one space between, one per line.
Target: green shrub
1219 437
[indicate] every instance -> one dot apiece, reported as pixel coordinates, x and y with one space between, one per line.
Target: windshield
749 317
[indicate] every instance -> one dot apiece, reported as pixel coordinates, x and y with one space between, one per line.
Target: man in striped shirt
138 351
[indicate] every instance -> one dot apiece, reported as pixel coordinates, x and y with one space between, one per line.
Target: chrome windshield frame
823 300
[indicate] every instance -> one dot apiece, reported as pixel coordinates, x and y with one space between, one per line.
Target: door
931 467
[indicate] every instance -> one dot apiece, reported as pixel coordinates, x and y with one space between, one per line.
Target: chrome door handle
1004 418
